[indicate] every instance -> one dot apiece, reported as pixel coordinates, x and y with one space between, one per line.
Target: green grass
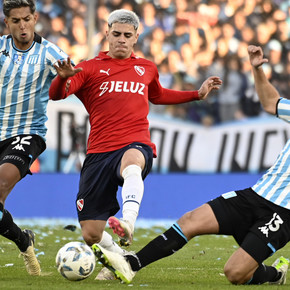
199 265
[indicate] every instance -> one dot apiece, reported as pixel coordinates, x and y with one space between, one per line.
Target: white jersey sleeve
283 109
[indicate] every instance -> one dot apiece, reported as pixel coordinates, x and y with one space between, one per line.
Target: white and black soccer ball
75 261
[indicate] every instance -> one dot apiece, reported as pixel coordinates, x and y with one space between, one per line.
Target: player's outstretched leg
30 260
115 263
123 229
281 264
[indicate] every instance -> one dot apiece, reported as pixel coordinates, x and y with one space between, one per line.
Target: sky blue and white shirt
274 185
25 78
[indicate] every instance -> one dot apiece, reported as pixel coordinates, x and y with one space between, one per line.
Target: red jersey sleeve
162 96
57 90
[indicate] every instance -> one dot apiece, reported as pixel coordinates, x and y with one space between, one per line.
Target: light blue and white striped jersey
274 185
25 78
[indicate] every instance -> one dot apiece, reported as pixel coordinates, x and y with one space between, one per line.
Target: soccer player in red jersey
115 88
257 217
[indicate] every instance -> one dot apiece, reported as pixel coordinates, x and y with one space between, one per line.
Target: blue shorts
99 181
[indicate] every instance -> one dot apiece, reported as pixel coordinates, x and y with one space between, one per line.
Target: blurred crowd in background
188 40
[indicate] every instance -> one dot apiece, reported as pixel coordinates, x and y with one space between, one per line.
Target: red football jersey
116 94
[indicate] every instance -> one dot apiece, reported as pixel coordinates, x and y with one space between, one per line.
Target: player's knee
186 218
234 275
91 237
231 275
187 225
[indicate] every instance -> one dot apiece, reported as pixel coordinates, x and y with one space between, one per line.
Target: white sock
108 243
132 193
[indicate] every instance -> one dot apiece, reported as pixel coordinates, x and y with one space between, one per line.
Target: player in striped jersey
257 217
26 72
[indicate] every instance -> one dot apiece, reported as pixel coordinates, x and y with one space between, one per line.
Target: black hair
11 4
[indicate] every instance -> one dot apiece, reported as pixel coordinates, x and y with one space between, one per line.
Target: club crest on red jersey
140 70
80 204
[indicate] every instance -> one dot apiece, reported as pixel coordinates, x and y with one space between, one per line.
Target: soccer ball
75 261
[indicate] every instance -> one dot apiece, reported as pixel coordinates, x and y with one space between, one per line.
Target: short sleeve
283 109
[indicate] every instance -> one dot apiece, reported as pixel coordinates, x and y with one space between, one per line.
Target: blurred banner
166 196
251 145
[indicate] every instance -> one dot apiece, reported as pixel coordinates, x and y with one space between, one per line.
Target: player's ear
107 34
6 22
137 36
35 16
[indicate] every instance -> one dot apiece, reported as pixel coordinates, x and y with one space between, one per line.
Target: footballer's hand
65 69
212 83
256 56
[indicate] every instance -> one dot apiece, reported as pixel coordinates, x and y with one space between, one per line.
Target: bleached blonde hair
123 16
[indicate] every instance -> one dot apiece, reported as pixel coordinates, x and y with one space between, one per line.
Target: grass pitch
199 265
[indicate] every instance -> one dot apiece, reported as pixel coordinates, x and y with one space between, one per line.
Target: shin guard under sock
132 193
11 231
164 245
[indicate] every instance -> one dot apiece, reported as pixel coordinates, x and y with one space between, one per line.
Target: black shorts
99 181
21 151
259 226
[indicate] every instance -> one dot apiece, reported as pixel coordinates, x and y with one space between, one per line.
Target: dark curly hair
11 4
